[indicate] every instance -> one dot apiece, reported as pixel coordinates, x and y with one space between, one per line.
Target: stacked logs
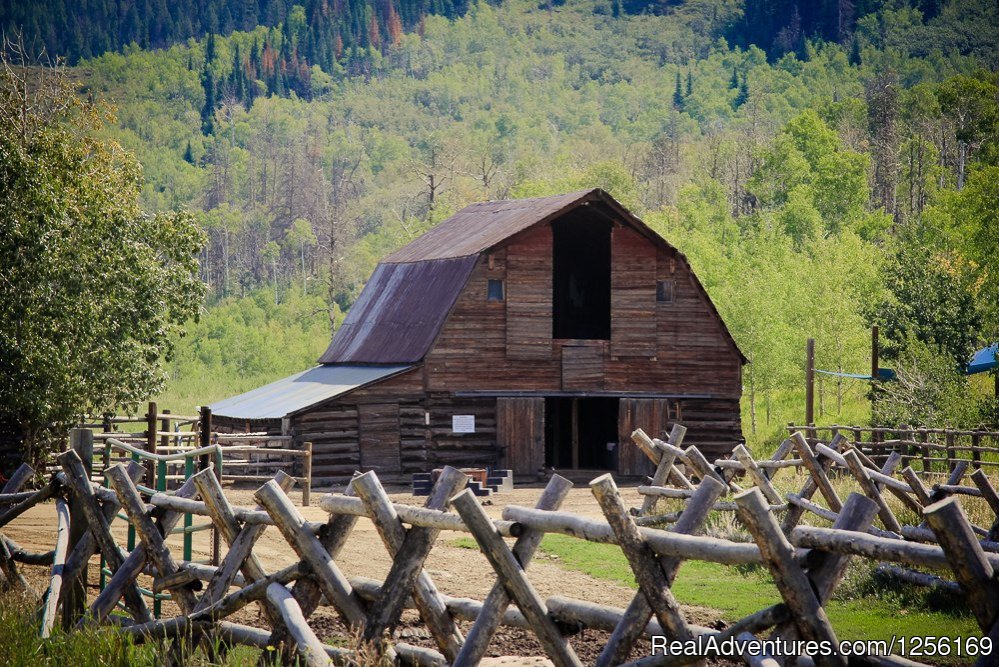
806 563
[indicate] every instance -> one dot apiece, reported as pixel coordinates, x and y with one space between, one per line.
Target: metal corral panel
299 391
399 312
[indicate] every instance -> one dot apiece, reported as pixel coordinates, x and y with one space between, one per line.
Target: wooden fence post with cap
75 596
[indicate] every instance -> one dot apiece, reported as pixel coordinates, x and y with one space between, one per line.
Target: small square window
665 290
495 290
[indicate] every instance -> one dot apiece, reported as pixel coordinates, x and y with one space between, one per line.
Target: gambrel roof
404 305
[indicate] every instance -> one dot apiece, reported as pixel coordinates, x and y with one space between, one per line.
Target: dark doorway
581 433
581 267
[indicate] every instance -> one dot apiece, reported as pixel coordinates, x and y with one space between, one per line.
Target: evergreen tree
678 93
743 95
188 153
690 83
208 110
855 52
733 83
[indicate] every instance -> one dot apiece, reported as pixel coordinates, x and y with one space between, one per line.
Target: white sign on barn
463 423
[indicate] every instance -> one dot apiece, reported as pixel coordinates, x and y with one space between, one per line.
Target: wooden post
756 474
826 568
329 577
871 490
971 568
151 424
810 381
794 514
875 364
981 480
951 455
652 581
817 471
407 565
307 475
75 597
240 540
309 647
638 613
575 433
205 434
58 563
664 467
306 591
125 576
152 539
511 573
924 437
976 454
491 615
793 584
79 557
83 495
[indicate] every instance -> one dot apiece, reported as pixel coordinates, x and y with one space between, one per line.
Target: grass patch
736 592
20 644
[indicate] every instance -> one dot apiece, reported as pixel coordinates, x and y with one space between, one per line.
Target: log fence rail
806 562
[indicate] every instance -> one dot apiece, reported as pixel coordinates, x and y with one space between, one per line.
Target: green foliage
243 343
930 391
781 181
929 296
92 291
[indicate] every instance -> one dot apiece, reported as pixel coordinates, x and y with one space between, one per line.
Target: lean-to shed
520 334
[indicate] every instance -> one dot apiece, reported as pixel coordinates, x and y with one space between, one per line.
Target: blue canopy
983 360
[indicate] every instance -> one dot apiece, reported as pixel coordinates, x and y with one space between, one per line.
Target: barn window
665 290
494 290
581 295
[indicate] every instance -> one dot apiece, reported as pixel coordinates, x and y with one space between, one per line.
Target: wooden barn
521 334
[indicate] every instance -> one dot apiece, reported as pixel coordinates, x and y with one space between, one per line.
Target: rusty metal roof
478 227
301 390
405 303
399 312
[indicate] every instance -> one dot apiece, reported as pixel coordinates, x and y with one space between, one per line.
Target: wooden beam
511 573
490 616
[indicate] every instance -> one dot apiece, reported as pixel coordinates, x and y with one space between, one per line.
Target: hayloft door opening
581 433
581 281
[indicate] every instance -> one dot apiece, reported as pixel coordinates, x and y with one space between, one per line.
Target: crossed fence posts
806 562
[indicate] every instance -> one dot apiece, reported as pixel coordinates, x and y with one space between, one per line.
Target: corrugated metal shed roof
479 227
301 390
399 313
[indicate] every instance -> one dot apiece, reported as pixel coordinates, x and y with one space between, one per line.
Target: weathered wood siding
633 295
529 296
673 347
520 430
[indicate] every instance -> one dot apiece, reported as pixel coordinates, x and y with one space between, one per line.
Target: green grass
20 644
735 592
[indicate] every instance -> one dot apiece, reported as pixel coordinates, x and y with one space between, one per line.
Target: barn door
378 424
520 430
649 414
633 294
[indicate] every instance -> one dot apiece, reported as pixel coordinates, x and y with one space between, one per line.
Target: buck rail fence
806 563
937 449
246 457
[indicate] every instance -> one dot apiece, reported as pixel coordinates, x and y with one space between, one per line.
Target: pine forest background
824 165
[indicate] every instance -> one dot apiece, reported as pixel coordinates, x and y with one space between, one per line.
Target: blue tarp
983 360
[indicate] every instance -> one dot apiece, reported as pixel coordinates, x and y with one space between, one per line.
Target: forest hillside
825 166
